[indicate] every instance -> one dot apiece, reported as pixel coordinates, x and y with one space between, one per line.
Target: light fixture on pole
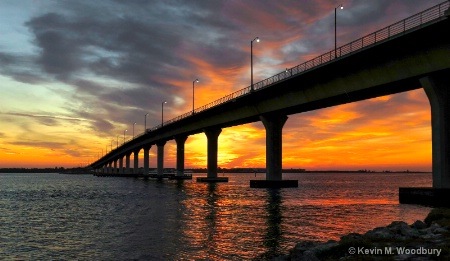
162 113
124 136
133 129
193 84
145 123
251 61
335 40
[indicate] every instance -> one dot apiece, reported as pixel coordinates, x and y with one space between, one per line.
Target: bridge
410 54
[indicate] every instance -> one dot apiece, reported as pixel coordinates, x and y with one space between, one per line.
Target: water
81 217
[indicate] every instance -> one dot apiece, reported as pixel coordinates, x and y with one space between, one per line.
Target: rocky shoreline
422 240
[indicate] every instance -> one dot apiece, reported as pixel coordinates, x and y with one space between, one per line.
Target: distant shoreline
204 170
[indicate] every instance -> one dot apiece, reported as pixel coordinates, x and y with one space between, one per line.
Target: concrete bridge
413 53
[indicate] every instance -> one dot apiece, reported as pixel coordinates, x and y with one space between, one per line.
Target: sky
74 75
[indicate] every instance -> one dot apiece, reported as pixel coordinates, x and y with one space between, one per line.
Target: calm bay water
82 217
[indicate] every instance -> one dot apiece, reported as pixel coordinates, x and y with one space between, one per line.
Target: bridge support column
115 167
110 167
160 146
146 158
213 137
437 88
274 148
180 140
127 162
136 161
121 165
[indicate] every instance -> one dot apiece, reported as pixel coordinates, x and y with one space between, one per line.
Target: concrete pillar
136 161
160 146
180 140
121 165
437 88
274 127
213 137
274 154
146 158
115 166
127 162
110 167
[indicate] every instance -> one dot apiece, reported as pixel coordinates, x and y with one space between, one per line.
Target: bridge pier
121 165
180 140
160 146
115 166
213 137
146 158
437 88
274 141
136 161
127 163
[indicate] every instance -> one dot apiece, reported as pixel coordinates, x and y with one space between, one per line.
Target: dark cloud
124 57
40 144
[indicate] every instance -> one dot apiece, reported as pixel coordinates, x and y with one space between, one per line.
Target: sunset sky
75 74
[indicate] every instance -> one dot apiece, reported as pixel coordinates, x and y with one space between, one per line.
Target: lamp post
106 151
133 129
193 84
124 136
335 41
111 145
145 123
251 61
162 113
117 141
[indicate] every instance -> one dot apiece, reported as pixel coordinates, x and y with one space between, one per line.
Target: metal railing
412 22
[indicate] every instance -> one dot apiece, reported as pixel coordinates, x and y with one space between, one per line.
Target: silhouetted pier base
212 179
286 183
433 197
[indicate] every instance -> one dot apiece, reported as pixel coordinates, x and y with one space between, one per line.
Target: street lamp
251 60
106 151
162 113
117 141
145 123
124 136
193 84
133 129
335 41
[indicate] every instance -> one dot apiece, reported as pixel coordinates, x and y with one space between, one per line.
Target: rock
352 237
379 233
419 225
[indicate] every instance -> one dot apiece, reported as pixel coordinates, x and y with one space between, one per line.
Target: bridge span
410 54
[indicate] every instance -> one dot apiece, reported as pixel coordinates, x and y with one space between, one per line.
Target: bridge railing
390 31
